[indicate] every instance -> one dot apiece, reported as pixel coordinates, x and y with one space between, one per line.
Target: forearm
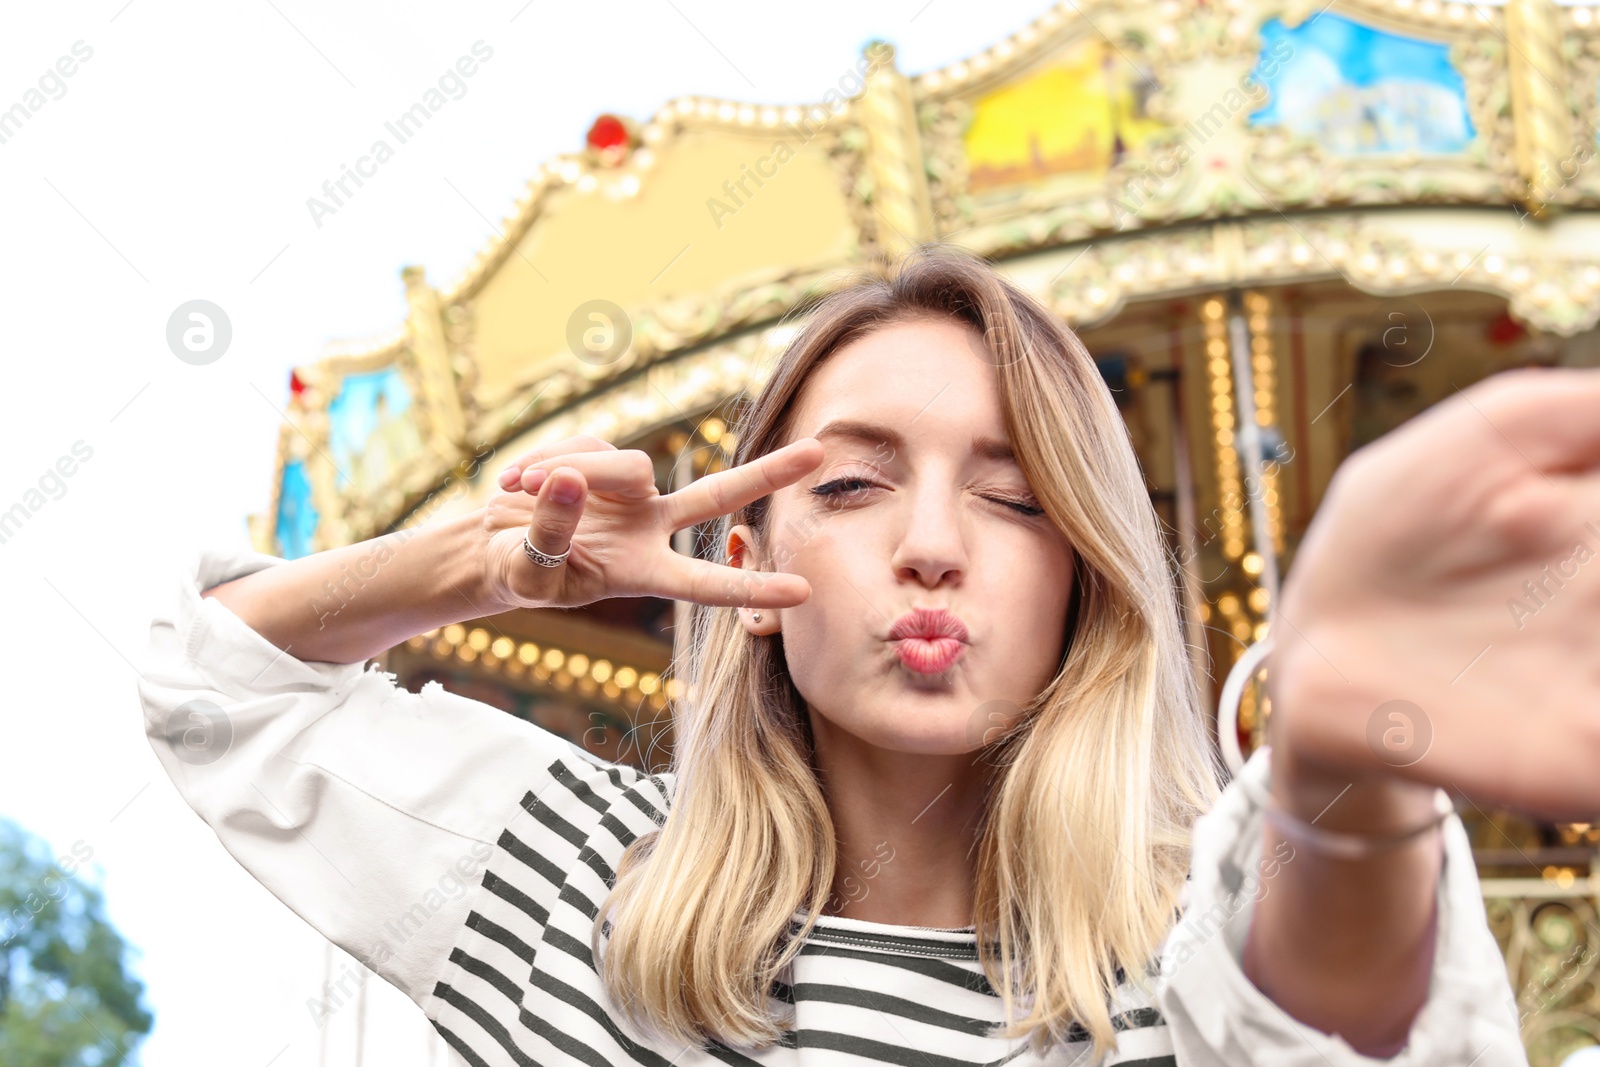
1346 945
346 605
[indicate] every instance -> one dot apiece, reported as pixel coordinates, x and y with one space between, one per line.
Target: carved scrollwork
1556 294
1552 949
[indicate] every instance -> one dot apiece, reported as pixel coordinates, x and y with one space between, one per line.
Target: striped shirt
462 853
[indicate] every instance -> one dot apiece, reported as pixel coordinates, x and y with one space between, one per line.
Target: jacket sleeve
1220 1019
368 809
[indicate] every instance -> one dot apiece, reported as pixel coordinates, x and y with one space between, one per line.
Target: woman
943 754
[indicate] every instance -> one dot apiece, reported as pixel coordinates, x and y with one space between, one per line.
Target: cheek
823 638
824 561
1030 592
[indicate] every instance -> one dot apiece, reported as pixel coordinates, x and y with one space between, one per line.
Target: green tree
66 997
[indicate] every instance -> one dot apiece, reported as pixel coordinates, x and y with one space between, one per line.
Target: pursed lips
928 640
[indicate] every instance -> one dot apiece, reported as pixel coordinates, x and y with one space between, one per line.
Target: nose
931 548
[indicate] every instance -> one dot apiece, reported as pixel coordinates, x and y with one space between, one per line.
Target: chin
911 730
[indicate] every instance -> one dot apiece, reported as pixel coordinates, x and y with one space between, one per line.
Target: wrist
466 569
1375 803
1326 767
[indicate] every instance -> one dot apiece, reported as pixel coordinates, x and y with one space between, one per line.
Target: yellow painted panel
683 234
1063 119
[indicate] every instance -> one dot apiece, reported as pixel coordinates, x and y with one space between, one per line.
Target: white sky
176 166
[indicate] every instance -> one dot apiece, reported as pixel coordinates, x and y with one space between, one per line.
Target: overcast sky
174 164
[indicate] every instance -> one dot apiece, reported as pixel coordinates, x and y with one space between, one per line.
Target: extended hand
1442 617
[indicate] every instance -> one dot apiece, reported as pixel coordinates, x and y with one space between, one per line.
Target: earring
756 616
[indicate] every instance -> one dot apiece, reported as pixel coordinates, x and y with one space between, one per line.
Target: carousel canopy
1109 152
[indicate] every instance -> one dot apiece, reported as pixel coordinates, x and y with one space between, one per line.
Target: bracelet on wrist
1338 843
1343 844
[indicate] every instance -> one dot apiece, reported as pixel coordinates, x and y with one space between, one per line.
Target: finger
722 492
703 582
557 510
1549 415
515 475
628 471
508 480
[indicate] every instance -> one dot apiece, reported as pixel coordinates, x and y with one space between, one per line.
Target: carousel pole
1252 456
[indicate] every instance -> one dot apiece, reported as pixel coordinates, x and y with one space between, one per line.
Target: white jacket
459 852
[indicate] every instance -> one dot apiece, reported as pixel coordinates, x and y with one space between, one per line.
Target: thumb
557 509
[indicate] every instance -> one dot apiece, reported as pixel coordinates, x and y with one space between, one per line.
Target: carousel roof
1108 152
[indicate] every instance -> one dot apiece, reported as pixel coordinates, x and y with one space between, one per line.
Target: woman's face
914 506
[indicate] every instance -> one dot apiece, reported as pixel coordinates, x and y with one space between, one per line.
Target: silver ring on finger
544 559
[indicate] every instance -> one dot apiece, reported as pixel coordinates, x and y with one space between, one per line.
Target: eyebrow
991 448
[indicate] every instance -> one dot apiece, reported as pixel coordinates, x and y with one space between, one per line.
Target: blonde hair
1084 843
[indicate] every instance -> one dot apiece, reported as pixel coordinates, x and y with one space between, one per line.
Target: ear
744 553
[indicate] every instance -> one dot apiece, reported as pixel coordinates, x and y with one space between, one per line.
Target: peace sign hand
619 527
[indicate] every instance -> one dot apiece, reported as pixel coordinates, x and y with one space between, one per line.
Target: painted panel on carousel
297 518
1074 117
370 429
1356 89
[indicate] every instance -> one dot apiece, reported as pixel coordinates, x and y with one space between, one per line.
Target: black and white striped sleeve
369 810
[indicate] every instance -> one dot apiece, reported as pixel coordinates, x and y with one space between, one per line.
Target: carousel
1281 229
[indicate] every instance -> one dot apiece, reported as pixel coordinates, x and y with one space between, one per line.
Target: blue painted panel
297 518
1356 89
364 402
